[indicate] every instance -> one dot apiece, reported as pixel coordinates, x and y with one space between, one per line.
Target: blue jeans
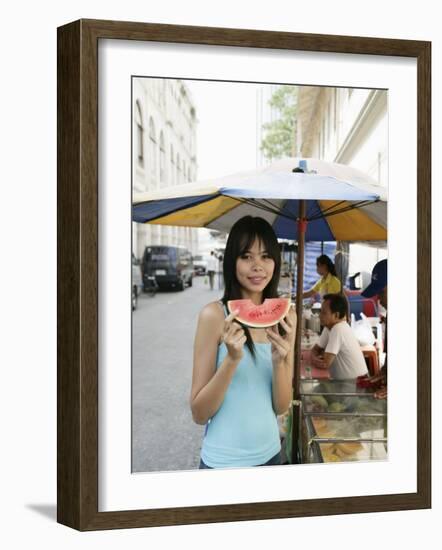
275 460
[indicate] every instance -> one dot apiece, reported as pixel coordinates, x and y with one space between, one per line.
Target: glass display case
341 422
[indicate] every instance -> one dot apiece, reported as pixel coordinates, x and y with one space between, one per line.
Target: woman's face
321 269
254 269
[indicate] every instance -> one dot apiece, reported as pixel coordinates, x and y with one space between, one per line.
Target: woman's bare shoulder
212 313
211 321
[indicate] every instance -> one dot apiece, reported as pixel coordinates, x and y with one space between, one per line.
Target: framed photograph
131 97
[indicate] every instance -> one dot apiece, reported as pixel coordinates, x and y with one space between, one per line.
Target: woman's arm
209 385
314 290
282 375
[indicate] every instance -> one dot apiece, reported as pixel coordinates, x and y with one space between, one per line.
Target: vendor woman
329 282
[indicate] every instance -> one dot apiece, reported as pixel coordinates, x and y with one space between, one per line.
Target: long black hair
241 238
325 260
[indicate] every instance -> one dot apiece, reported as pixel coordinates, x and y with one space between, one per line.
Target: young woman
329 282
242 378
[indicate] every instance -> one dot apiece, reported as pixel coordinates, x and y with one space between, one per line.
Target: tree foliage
279 134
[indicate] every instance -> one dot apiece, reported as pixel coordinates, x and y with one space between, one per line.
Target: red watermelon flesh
269 313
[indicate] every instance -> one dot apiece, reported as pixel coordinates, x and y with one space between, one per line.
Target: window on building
163 93
323 133
329 122
139 133
178 169
172 166
162 159
152 148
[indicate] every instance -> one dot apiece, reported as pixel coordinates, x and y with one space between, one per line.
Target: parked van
172 266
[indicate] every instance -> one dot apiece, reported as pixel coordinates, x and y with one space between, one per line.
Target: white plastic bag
362 330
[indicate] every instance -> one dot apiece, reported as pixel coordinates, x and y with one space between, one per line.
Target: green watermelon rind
257 311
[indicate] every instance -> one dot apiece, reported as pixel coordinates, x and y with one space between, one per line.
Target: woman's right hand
233 337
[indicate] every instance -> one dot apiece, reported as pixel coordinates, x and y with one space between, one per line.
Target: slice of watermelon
269 313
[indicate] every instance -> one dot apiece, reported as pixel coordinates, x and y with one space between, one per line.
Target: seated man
338 348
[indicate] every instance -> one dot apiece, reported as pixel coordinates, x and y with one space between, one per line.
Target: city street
164 436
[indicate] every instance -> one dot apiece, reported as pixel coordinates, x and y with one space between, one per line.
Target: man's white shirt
341 341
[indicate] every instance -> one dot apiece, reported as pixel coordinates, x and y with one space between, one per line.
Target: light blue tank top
244 431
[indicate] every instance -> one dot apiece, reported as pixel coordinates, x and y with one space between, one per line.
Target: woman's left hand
281 345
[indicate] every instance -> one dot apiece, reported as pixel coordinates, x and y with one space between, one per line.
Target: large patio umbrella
301 198
275 192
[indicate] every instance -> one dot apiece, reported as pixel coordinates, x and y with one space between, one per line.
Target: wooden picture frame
77 310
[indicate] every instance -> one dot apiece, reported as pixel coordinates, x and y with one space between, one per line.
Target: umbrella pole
296 410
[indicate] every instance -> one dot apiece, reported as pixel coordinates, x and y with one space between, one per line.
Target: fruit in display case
336 407
346 450
322 428
326 387
351 404
340 452
318 403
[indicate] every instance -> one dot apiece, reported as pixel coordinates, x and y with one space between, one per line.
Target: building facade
348 126
164 153
345 125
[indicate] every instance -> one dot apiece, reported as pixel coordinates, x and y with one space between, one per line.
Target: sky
226 131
